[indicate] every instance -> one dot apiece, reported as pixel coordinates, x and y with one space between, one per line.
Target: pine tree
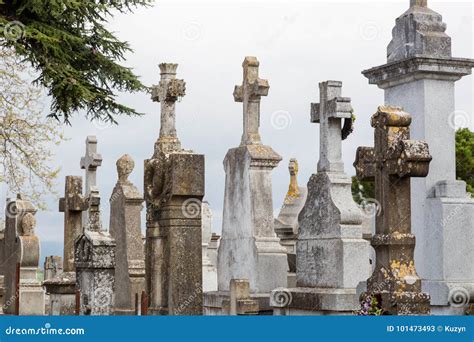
76 57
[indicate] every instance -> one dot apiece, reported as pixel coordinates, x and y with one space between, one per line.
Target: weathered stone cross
72 205
90 162
167 92
421 3
392 162
250 93
329 114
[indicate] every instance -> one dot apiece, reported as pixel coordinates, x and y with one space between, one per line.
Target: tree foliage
362 190
26 136
465 157
76 57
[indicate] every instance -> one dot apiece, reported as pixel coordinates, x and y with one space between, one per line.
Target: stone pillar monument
391 163
420 76
286 224
22 246
94 258
125 227
249 248
174 188
331 255
209 270
62 288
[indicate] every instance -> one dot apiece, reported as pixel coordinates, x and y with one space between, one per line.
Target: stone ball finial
125 166
293 167
28 224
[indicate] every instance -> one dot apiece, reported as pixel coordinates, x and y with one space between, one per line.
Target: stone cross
72 205
420 3
167 92
250 93
392 162
329 113
90 162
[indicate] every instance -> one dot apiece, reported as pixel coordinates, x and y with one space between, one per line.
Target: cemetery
319 255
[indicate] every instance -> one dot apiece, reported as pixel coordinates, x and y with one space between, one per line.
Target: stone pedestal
22 247
125 227
209 270
174 188
420 77
94 258
249 247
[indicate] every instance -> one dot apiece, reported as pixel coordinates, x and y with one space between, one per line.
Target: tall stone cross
167 92
90 162
420 3
392 162
250 93
329 113
72 205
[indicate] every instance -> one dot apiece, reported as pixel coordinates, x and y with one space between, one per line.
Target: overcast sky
298 44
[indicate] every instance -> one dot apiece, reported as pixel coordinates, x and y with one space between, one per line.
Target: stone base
32 299
62 294
314 301
217 303
124 312
209 278
449 298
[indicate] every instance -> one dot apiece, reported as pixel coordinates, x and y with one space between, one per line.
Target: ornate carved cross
250 93
392 162
329 113
167 92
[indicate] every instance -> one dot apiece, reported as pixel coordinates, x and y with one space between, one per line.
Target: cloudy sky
298 44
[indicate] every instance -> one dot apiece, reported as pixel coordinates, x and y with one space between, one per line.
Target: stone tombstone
53 265
213 248
174 188
420 76
209 270
286 224
331 255
94 257
391 163
90 162
62 287
22 246
125 227
249 248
